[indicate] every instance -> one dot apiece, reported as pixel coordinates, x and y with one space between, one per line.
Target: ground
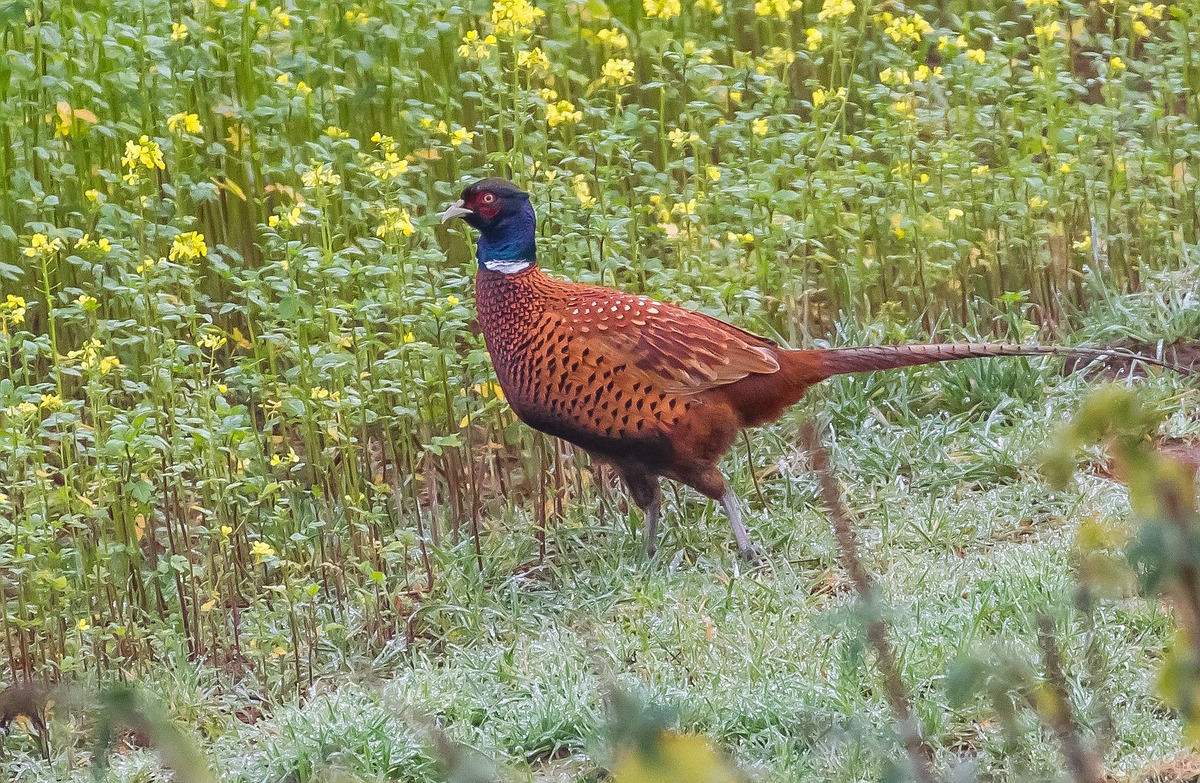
966 539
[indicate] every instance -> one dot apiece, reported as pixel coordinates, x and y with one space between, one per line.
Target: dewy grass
251 442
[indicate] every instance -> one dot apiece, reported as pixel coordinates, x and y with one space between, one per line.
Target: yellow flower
261 550
745 239
562 113
476 47
981 170
92 195
680 138
1065 168
452 300
515 17
618 71
282 78
583 191
897 221
534 60
1082 245
1116 63
1148 10
303 88
813 38
685 208
290 458
1037 202
109 363
294 217
1047 31
41 245
759 126
179 31
334 132
394 220
1140 30
662 9
923 72
281 17
902 27
50 402
613 37
978 55
143 153
461 136
953 214
391 166
211 341
21 409
714 7
821 96
188 246
86 302
82 624
321 174
777 8
12 311
189 122
833 9
713 173
408 337
905 107
776 57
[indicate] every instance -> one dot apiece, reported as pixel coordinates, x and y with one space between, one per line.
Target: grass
252 447
967 547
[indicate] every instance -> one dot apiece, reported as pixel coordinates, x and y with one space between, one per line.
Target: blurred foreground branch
919 752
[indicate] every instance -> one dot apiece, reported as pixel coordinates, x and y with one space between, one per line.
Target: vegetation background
253 454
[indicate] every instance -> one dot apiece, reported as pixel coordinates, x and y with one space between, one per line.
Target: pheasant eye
488 198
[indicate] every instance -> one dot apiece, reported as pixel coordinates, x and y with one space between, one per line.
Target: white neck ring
507 267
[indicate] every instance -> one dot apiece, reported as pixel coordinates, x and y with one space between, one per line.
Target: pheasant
653 389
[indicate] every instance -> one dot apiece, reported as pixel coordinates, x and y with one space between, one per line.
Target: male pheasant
653 389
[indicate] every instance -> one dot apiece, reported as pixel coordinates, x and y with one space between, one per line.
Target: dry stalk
919 752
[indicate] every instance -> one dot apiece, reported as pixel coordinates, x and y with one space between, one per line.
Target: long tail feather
842 361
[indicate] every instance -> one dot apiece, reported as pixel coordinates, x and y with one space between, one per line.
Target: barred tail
843 361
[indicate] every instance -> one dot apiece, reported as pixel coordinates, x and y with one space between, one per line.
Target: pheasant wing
679 351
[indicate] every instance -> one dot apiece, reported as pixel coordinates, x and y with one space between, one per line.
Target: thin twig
920 754
1081 761
754 476
1106 727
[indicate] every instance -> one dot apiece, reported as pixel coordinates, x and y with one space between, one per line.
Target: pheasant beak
455 210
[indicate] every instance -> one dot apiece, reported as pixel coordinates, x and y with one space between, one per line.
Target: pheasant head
502 214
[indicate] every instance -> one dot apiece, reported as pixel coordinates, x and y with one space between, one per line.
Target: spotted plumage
654 389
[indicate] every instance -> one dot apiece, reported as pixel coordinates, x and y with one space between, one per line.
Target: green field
254 458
